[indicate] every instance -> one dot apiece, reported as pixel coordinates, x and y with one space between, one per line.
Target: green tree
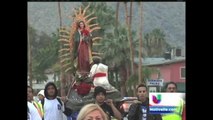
45 56
133 79
32 36
155 43
128 24
116 54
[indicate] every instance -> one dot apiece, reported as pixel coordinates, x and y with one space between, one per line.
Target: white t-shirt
33 112
53 109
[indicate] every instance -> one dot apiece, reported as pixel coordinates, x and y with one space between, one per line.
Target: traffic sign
158 82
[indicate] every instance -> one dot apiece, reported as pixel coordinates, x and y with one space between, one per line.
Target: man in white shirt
53 108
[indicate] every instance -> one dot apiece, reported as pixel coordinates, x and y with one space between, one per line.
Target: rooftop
159 61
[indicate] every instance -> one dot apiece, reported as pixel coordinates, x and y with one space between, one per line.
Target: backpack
59 100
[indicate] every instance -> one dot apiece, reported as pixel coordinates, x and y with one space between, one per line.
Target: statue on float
77 59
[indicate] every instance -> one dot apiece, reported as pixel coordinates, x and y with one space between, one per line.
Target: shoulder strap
59 100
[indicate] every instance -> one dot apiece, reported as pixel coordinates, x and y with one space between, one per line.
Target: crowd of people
51 107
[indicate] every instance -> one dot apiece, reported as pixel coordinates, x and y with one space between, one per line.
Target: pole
62 76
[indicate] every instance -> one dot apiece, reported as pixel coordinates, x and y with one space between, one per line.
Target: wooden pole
62 75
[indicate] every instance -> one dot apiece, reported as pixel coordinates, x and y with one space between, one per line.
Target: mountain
168 16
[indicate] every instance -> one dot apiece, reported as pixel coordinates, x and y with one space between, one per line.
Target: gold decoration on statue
67 36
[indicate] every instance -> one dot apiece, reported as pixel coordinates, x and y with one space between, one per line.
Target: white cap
41 93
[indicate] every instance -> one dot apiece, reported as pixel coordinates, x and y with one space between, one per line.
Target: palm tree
140 42
116 16
126 13
155 43
116 54
132 54
130 16
133 80
29 58
128 24
111 45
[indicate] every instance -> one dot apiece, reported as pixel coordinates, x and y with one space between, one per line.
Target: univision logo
157 99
